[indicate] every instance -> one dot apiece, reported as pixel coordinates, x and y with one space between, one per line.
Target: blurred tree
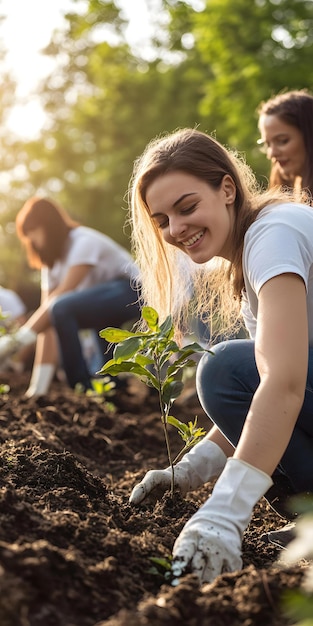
254 50
12 264
104 104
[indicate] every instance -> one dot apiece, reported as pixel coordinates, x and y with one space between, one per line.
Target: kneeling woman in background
86 283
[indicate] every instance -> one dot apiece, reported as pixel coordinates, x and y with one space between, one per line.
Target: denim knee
226 381
58 310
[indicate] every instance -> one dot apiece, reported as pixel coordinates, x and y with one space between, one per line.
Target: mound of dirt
73 552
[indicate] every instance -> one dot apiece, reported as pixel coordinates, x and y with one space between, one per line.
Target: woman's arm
210 542
281 351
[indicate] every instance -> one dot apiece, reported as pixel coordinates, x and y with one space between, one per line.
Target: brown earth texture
73 552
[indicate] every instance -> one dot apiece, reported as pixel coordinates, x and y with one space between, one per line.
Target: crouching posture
192 197
86 283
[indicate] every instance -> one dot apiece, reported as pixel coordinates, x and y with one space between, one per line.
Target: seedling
4 389
162 566
155 357
102 390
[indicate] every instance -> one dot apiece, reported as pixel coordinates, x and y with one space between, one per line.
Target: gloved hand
40 381
204 461
210 542
11 343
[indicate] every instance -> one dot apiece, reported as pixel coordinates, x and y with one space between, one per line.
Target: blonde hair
171 282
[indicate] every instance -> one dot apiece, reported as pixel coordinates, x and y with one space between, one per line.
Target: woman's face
284 145
192 215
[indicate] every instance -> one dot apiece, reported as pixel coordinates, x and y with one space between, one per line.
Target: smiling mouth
193 239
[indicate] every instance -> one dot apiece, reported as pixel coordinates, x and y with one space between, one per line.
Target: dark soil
73 552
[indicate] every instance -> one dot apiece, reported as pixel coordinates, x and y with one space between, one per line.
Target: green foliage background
210 64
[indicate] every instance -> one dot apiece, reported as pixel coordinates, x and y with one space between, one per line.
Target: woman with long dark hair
86 283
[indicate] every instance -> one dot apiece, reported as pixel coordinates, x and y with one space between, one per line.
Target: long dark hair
56 223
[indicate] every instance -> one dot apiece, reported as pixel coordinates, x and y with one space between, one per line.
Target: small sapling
155 357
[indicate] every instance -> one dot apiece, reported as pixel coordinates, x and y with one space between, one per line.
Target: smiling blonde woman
191 198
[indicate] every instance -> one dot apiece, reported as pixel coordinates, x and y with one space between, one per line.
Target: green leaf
111 367
198 433
171 346
127 349
164 562
172 370
190 363
103 386
184 354
164 359
151 316
115 335
166 327
179 425
143 360
172 390
194 347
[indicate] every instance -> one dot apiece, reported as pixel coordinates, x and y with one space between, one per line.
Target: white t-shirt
11 304
86 246
279 241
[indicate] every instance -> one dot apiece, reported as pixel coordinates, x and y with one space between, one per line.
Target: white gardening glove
40 381
204 461
210 542
11 343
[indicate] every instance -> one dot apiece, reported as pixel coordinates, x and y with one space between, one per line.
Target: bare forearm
268 427
217 437
40 319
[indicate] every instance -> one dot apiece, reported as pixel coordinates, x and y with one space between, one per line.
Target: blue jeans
108 304
226 383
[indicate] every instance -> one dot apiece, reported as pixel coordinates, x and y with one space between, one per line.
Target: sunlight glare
27 29
26 120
